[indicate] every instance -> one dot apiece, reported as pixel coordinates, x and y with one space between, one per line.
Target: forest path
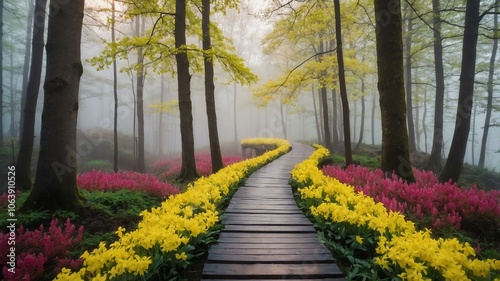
266 236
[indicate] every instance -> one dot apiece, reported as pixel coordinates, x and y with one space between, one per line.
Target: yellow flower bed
167 233
401 249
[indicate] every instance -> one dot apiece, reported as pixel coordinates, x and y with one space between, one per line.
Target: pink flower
104 181
443 204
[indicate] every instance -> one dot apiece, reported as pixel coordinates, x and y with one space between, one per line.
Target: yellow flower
120 231
359 239
181 256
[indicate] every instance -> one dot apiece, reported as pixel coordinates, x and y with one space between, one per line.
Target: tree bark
235 118
13 123
55 181
489 104
188 169
395 147
115 93
374 104
335 127
408 79
27 56
455 161
363 112
424 117
324 102
318 130
160 118
141 165
342 84
23 165
434 162
213 133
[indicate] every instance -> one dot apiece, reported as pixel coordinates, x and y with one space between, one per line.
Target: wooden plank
267 216
216 250
266 235
266 201
282 271
269 228
268 211
297 221
269 240
246 245
264 207
224 258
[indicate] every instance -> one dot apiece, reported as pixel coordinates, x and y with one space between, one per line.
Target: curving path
266 236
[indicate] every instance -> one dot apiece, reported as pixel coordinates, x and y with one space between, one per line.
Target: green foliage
121 204
158 43
372 162
101 165
294 42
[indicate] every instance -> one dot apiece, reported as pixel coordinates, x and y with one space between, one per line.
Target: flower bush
439 204
381 243
166 238
171 167
41 253
104 181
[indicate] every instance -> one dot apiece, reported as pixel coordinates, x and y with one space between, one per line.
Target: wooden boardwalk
266 236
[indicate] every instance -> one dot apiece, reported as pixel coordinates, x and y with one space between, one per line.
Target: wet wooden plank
269 240
231 258
270 228
266 235
265 246
269 251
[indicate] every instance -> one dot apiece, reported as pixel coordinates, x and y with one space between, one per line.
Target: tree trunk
362 125
23 165
13 122
283 120
160 118
408 78
188 169
1 75
324 102
354 119
374 104
318 130
434 162
141 165
235 123
473 144
335 128
213 133
418 132
55 181
424 117
342 84
27 55
489 105
115 93
454 163
395 146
